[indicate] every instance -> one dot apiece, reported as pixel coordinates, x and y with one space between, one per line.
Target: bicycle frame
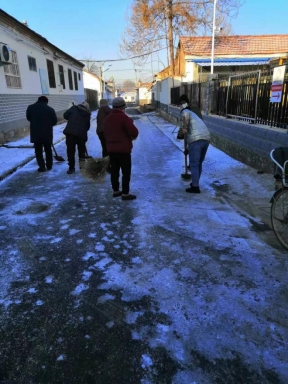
285 166
279 200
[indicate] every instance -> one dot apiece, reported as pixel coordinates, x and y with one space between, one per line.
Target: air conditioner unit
5 53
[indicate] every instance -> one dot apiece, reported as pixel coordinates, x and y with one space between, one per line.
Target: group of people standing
116 132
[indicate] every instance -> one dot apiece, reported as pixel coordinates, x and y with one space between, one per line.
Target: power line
133 57
138 70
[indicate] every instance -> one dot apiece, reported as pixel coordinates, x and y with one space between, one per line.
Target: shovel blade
186 176
59 158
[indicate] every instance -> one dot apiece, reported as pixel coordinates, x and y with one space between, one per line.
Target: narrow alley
168 288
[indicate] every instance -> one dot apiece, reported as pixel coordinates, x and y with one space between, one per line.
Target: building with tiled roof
31 66
232 54
235 45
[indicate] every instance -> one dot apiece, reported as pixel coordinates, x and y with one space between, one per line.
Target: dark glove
186 152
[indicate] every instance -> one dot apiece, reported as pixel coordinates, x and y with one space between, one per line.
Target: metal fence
245 97
273 114
196 93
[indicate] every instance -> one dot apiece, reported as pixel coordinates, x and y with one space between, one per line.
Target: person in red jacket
119 131
103 112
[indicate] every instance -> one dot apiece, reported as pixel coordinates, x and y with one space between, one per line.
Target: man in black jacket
78 117
42 119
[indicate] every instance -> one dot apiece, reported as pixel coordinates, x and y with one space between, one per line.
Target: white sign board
277 84
44 81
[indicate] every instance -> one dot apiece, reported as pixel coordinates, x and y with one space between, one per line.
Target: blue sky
93 28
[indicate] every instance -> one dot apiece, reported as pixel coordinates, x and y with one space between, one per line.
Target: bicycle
279 207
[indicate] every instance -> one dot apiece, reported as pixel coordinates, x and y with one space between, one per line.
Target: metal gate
241 101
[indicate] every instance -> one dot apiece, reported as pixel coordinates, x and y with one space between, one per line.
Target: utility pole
101 83
213 37
170 35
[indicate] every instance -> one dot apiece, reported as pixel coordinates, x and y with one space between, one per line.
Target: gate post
207 97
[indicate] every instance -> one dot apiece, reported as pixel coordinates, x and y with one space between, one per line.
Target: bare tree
128 86
155 24
91 65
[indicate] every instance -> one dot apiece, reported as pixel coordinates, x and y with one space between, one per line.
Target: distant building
109 93
31 66
143 93
129 97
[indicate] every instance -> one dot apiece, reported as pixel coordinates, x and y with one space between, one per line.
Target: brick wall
251 144
13 111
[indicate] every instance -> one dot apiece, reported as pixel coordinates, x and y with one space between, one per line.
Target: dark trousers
103 144
197 152
39 155
120 161
71 142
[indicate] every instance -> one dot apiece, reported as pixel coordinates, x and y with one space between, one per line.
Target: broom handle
54 149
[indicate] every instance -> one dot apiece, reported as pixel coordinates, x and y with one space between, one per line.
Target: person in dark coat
42 119
78 117
119 131
103 112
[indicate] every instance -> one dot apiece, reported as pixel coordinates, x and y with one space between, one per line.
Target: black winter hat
184 98
43 98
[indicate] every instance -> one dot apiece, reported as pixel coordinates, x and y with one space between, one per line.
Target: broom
95 168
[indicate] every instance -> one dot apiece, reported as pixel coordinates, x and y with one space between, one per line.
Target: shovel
185 175
56 157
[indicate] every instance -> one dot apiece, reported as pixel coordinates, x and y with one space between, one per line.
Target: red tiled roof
235 45
145 85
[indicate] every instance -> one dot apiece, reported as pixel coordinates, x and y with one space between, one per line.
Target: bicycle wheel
279 216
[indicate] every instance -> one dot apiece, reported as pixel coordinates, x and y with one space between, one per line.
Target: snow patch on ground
79 289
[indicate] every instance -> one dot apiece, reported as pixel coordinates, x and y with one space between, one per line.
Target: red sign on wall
277 84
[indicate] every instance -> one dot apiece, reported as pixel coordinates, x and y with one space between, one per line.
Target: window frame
70 79
61 76
75 80
11 77
34 63
51 75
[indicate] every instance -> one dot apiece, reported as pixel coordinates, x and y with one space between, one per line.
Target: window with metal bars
32 64
75 80
70 79
51 74
12 73
61 75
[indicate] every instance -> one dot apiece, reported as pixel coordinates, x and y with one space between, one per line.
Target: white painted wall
30 79
144 94
165 87
161 90
129 97
91 81
189 71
